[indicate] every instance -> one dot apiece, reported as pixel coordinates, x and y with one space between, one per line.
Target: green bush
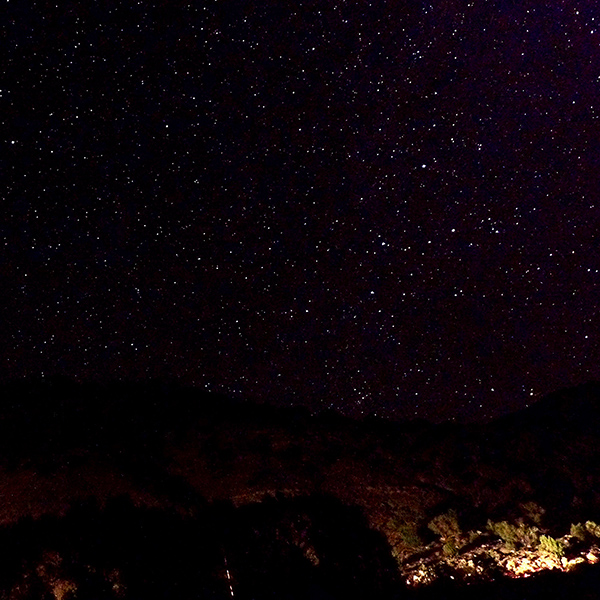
528 536
409 534
552 546
446 526
449 548
593 528
504 530
578 531
407 522
513 536
533 511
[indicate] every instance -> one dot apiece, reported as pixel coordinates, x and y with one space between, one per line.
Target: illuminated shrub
505 531
593 528
552 546
409 534
578 531
513 535
528 536
449 548
533 511
406 523
446 525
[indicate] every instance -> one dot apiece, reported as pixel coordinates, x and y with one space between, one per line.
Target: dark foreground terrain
302 548
156 491
289 549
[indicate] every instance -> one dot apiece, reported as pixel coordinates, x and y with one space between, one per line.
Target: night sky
381 207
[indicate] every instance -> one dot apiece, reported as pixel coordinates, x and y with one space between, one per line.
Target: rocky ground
490 559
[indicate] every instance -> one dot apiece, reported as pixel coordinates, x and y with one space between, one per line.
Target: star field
374 206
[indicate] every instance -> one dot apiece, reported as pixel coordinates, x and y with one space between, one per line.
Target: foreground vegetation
501 550
289 549
279 496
